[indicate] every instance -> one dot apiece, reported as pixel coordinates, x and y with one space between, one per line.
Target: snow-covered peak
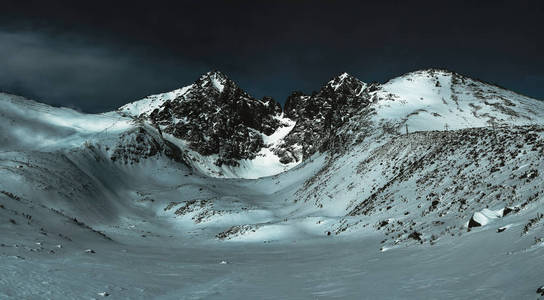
214 74
214 79
343 85
435 99
152 102
343 76
345 79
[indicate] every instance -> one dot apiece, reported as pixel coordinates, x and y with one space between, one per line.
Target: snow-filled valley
427 186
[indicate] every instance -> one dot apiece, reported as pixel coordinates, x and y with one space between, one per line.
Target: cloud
97 56
70 71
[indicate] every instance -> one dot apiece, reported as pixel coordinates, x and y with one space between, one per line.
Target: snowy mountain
214 116
318 116
228 133
430 183
432 99
219 122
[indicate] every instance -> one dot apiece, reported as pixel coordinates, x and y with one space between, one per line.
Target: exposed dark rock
236 231
135 145
508 210
415 235
11 195
217 117
473 223
142 143
540 290
319 115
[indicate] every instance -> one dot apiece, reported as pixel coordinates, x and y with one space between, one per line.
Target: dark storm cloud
63 70
99 55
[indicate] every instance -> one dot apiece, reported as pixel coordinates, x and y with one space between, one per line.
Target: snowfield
150 103
442 100
107 206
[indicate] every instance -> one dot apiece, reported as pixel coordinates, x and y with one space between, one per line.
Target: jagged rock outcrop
216 117
318 115
142 143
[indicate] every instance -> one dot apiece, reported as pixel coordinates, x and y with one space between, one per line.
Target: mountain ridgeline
318 115
216 117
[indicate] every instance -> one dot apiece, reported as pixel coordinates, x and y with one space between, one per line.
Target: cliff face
216 117
318 115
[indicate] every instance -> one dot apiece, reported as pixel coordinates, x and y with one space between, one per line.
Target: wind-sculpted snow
28 125
110 206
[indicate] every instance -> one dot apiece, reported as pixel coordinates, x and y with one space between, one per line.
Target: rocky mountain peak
345 84
214 79
319 114
343 90
216 117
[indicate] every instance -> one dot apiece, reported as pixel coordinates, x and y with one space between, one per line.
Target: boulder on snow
508 210
473 223
415 235
501 229
481 218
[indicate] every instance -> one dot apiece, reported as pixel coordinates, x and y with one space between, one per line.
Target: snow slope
150 103
96 205
439 99
29 125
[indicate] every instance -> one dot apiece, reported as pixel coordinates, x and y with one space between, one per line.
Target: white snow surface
486 215
384 219
217 83
150 103
456 102
29 125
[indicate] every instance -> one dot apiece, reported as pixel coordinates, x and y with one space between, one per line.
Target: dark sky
96 56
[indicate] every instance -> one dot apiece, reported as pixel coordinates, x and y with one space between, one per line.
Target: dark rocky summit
217 117
319 114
